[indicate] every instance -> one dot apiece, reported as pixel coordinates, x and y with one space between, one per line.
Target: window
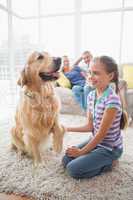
100 5
58 35
25 29
128 3
56 6
60 27
101 34
4 67
3 45
3 2
4 28
127 47
25 33
25 8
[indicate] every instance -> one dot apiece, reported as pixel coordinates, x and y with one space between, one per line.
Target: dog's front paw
64 129
13 147
57 148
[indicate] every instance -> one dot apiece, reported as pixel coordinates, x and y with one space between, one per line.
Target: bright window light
101 34
56 6
4 27
25 40
25 8
57 35
128 3
102 4
127 46
3 2
61 27
25 29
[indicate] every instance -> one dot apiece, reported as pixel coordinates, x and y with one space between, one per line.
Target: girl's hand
73 152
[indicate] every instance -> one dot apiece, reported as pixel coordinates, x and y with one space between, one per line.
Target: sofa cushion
63 81
128 75
68 103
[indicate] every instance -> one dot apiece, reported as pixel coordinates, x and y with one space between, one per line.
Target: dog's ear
33 57
40 57
23 78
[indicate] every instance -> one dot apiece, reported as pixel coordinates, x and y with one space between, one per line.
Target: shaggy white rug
50 182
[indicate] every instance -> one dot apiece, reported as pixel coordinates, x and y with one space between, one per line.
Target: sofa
130 102
68 103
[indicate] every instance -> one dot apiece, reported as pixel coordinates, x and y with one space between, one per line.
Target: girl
104 118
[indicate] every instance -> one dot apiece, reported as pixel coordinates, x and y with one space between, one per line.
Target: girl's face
98 76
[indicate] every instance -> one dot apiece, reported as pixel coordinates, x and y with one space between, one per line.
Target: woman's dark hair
110 66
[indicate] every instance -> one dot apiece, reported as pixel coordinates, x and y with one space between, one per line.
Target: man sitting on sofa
77 77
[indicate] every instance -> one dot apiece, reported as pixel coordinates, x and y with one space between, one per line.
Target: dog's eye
40 57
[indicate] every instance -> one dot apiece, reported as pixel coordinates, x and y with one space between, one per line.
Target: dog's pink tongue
55 74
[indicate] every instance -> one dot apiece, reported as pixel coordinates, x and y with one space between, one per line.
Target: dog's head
40 66
53 70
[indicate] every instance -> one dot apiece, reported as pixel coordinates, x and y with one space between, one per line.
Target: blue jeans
94 163
80 94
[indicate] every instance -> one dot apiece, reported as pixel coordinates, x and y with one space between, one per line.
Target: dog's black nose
57 62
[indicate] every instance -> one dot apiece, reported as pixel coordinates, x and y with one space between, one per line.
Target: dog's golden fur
37 112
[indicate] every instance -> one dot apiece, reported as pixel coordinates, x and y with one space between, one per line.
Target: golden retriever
38 109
